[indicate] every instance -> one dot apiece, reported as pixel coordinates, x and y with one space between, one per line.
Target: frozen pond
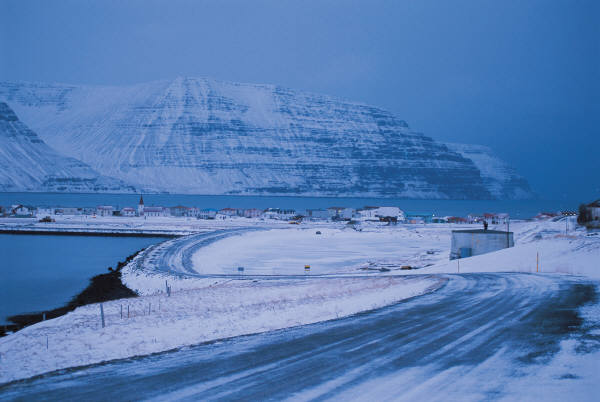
45 272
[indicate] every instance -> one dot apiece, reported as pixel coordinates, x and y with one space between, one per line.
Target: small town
589 214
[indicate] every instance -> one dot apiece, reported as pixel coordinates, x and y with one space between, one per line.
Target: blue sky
520 76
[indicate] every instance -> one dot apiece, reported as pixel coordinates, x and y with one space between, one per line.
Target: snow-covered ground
333 250
205 308
220 309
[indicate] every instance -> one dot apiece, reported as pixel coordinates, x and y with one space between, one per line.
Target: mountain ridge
203 136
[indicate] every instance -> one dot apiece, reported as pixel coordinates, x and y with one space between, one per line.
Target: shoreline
101 288
99 233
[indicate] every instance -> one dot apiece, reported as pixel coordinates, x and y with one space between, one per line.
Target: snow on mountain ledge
501 180
28 164
202 136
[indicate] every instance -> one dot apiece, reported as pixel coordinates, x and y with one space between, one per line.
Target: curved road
175 256
472 338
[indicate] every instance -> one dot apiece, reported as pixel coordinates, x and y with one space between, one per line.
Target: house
68 211
419 218
340 213
280 214
472 218
594 210
180 210
128 211
316 214
44 211
155 211
21 211
228 212
456 219
104 210
439 219
207 213
252 213
495 219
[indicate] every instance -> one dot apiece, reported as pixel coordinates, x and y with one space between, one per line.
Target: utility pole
507 231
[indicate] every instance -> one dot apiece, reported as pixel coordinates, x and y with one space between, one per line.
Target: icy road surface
482 336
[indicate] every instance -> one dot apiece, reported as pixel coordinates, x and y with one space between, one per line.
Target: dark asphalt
417 346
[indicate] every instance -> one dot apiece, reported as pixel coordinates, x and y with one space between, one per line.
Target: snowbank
223 308
574 253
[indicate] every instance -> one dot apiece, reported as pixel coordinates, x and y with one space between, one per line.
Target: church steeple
141 206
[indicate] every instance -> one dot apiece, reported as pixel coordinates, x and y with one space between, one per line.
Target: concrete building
467 243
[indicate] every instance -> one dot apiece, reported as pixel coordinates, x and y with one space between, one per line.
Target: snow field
287 251
222 309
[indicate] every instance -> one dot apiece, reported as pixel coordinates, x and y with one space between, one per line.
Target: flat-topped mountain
202 136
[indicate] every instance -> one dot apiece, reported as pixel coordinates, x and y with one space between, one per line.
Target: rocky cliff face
28 164
204 136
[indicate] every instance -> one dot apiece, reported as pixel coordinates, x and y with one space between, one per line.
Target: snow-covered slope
196 135
28 164
501 180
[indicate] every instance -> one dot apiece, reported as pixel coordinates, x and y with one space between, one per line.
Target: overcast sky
520 76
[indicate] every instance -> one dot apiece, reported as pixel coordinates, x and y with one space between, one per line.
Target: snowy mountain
28 164
501 180
203 136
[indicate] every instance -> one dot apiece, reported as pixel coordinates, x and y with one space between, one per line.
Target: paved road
471 337
175 256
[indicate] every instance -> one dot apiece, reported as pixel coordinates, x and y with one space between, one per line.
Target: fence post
128 311
102 314
46 342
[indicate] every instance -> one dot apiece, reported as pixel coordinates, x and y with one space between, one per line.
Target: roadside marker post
102 314
537 262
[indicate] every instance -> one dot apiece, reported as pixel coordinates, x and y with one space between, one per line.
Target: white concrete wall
479 242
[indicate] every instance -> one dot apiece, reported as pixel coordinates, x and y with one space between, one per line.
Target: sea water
39 272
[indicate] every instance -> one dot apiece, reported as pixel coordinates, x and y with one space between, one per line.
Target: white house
390 212
104 210
128 211
207 213
280 214
21 211
68 211
252 213
155 211
229 212
340 213
317 214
